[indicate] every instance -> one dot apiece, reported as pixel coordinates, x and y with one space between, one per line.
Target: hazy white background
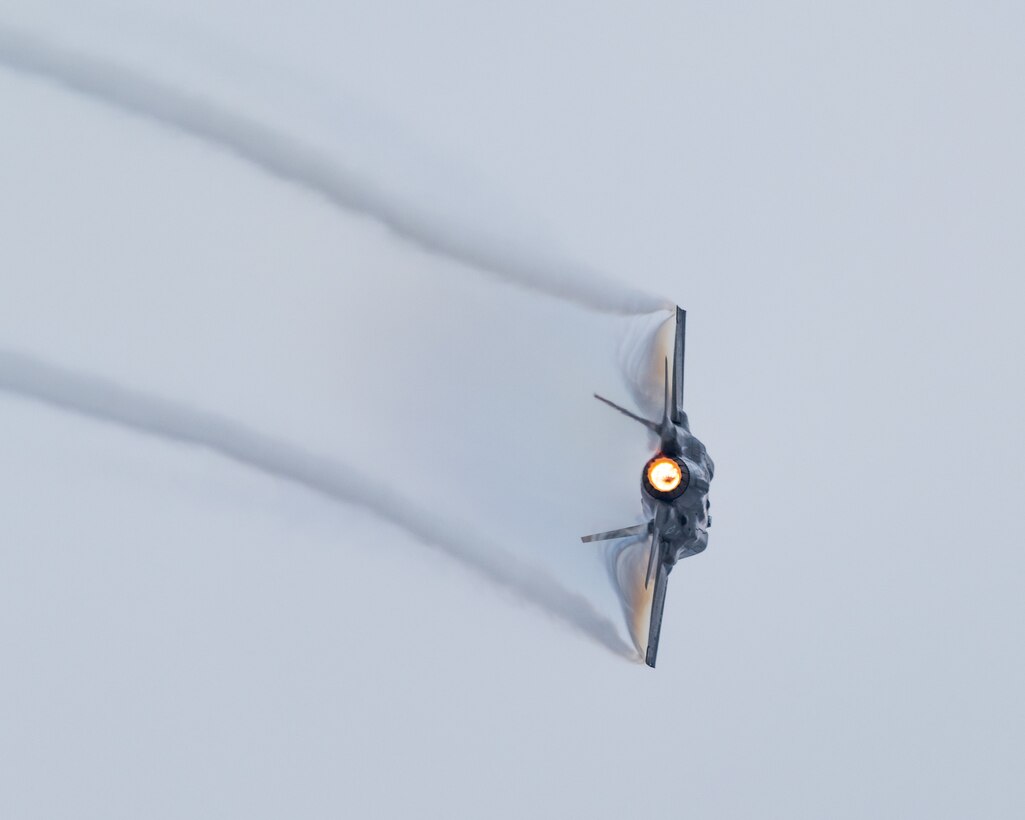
834 193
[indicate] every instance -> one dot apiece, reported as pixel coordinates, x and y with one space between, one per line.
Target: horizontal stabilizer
655 555
639 529
652 555
679 350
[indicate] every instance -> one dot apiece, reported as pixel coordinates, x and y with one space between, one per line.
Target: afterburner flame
664 475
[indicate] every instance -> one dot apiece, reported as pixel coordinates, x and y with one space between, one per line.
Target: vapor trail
287 158
104 400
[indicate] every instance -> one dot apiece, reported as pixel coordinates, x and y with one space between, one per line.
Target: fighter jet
674 491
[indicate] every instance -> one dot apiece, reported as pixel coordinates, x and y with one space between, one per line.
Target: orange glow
664 475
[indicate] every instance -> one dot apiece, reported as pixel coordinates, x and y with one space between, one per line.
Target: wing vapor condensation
286 157
104 400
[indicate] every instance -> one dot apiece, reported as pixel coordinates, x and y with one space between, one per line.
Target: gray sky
831 192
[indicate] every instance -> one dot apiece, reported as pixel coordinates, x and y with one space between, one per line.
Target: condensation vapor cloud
104 400
288 158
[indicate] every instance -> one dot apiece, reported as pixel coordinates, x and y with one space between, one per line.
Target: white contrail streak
100 399
287 158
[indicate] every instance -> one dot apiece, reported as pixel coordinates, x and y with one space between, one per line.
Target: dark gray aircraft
674 491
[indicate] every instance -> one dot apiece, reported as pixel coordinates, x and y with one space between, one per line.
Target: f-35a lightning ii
674 491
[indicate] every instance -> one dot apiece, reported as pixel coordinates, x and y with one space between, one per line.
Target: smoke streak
282 156
106 401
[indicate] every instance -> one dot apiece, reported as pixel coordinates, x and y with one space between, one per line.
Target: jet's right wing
658 603
656 563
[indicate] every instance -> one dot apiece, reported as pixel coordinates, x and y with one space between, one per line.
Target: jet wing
658 594
658 603
676 409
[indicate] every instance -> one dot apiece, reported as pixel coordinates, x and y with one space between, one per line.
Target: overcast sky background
834 194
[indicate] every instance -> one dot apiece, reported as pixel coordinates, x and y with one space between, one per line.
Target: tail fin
659 428
637 529
649 424
665 429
